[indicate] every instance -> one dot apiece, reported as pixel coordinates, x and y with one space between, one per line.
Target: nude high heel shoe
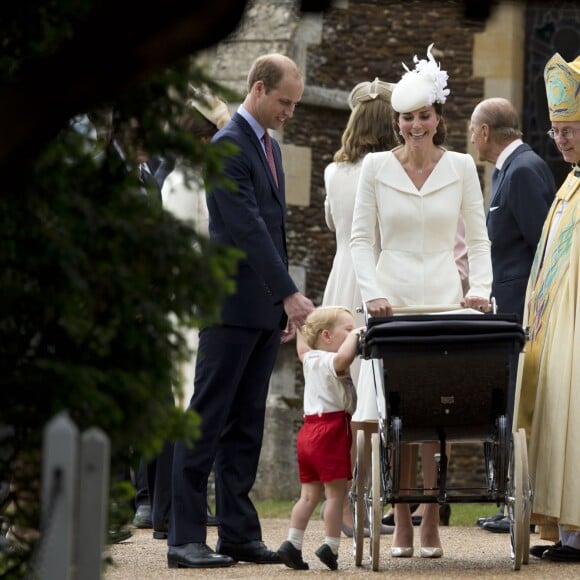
402 552
431 552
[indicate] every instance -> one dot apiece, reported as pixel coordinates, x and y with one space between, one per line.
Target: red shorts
323 447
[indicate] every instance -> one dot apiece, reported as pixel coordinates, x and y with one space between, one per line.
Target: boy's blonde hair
321 318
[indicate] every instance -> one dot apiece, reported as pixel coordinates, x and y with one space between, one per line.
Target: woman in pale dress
369 129
418 192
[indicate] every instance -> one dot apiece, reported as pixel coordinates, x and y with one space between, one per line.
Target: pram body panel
446 377
454 372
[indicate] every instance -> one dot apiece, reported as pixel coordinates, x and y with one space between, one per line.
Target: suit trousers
141 487
159 486
232 376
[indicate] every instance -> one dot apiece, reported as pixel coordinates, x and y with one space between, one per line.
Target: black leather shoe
538 550
142 518
291 557
196 555
255 551
120 535
160 534
498 516
389 519
444 514
562 554
498 526
327 557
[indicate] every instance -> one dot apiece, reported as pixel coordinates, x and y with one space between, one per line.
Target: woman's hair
440 135
369 129
321 318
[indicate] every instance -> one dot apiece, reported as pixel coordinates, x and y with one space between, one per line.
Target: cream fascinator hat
210 106
563 88
366 91
420 87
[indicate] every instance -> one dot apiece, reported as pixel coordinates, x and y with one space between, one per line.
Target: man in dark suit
522 191
235 358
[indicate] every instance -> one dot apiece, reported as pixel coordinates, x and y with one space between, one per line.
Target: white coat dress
416 264
340 182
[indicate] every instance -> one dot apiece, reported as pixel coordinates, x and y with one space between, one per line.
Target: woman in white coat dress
417 192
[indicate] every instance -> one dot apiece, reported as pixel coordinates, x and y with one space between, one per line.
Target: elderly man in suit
236 358
522 190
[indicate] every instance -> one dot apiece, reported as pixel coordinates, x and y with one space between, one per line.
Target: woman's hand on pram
476 302
379 307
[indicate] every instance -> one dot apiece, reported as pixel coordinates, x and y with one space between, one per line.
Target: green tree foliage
98 281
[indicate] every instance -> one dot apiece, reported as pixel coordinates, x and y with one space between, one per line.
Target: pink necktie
270 155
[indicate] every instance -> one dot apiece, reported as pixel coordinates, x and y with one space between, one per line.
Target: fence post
93 489
59 474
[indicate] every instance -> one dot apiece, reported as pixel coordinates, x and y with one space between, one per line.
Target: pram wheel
375 504
395 456
527 497
496 459
502 453
357 499
515 502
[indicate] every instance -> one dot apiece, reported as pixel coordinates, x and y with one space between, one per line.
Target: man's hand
287 334
297 307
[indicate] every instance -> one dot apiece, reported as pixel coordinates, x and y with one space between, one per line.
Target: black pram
446 378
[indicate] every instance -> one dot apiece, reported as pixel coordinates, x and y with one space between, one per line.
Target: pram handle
428 309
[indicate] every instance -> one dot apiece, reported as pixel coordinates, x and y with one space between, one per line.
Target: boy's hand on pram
379 307
475 302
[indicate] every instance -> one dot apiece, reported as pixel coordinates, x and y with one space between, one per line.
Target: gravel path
469 553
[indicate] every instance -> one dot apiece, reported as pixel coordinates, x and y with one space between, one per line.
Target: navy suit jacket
252 219
517 210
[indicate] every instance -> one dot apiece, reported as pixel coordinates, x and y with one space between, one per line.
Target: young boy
326 346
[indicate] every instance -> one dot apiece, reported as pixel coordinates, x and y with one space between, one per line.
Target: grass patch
462 514
466 514
276 508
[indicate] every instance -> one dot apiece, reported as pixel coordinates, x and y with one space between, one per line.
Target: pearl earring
400 132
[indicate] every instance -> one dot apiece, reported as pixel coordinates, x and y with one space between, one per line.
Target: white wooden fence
75 490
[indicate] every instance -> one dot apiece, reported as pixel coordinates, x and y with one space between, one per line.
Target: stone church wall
352 42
